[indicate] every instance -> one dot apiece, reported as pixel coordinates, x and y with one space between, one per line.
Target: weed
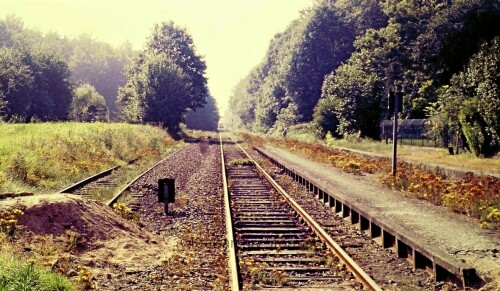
219 283
333 261
74 239
178 265
240 162
17 168
84 278
473 196
19 274
9 221
125 212
48 156
259 272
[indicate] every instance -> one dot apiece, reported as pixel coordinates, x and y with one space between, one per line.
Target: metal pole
166 199
395 133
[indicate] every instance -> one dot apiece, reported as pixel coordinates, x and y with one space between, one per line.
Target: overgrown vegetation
16 274
38 72
125 212
331 67
9 221
186 256
46 157
474 196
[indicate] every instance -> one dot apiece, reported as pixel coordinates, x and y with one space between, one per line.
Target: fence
412 132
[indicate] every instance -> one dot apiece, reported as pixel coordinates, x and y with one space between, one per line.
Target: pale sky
233 35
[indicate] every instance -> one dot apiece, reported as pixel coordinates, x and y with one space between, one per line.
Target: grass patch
19 274
420 155
193 133
45 157
240 162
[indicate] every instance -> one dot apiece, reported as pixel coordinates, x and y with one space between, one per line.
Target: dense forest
48 77
330 69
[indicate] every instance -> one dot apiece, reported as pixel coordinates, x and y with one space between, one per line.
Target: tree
453 36
289 79
16 83
102 66
357 88
205 118
54 88
362 14
165 80
158 91
34 84
325 43
471 104
324 118
88 105
174 41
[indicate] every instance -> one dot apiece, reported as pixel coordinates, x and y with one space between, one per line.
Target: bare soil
181 251
66 232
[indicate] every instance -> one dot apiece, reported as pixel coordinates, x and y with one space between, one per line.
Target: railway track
108 180
276 243
94 184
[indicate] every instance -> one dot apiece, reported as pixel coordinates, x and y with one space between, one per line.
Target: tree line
329 68
47 77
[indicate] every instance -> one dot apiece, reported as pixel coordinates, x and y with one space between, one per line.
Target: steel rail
85 181
113 200
351 265
234 281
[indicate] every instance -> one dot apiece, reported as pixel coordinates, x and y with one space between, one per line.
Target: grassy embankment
44 158
477 197
47 157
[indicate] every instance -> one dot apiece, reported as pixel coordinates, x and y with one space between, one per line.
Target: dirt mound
54 214
107 237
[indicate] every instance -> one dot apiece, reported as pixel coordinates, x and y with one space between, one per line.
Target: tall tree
471 104
289 80
176 42
165 80
35 85
357 88
454 35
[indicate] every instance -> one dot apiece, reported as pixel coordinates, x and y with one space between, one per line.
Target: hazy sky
233 35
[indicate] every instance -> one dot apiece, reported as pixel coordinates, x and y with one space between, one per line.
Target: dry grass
422 155
410 153
48 156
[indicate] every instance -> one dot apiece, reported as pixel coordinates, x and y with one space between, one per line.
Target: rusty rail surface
234 280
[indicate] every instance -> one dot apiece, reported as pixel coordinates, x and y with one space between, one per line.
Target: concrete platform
449 245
